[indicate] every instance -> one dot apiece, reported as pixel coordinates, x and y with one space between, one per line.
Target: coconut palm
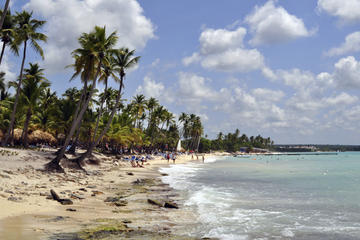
34 85
45 118
88 62
26 32
3 15
108 70
139 106
7 35
124 60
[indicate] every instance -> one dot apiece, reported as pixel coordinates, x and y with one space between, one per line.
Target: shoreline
110 194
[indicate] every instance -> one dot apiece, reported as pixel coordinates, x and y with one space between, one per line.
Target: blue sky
285 69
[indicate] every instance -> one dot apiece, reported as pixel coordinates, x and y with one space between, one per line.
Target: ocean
272 197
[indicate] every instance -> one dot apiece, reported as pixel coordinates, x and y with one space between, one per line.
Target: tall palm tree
108 70
139 104
26 32
124 60
7 35
4 13
34 85
88 62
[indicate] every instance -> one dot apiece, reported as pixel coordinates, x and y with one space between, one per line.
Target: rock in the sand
130 173
95 192
155 202
71 209
8 172
75 196
9 191
65 201
54 195
121 203
91 186
126 221
164 174
83 189
4 176
112 199
15 199
171 205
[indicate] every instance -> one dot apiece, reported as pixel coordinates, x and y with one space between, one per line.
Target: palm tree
88 63
108 70
34 85
26 31
48 106
124 60
4 13
7 34
139 104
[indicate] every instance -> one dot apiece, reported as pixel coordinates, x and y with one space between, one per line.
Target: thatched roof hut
39 136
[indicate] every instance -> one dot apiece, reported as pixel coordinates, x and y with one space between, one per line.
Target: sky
285 69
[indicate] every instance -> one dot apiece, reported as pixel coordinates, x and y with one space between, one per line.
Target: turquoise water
273 197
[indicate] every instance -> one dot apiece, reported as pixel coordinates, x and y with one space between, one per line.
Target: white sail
178 147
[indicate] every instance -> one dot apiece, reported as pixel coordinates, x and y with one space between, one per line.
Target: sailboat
178 147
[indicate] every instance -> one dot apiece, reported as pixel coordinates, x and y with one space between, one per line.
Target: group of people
171 156
136 160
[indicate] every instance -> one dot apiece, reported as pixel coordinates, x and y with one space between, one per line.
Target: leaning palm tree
88 62
34 85
26 32
4 13
124 60
7 35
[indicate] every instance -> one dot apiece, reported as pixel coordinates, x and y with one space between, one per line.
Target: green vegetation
96 121
233 142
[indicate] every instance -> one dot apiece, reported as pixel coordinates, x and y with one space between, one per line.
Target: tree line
233 142
85 115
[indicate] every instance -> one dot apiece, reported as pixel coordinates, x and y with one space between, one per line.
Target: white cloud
67 19
220 40
7 67
155 62
347 11
238 60
268 94
195 57
223 50
351 44
150 88
271 24
347 73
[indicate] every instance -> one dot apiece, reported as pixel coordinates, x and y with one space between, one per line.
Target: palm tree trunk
12 118
54 164
4 13
95 143
2 51
26 126
72 149
100 111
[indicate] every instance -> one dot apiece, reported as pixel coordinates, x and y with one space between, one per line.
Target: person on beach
174 158
203 158
168 157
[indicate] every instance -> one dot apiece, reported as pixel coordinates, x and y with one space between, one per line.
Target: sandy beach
110 199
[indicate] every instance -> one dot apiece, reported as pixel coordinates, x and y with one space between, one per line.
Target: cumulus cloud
347 73
220 40
67 19
151 88
7 67
271 24
224 50
346 11
351 44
